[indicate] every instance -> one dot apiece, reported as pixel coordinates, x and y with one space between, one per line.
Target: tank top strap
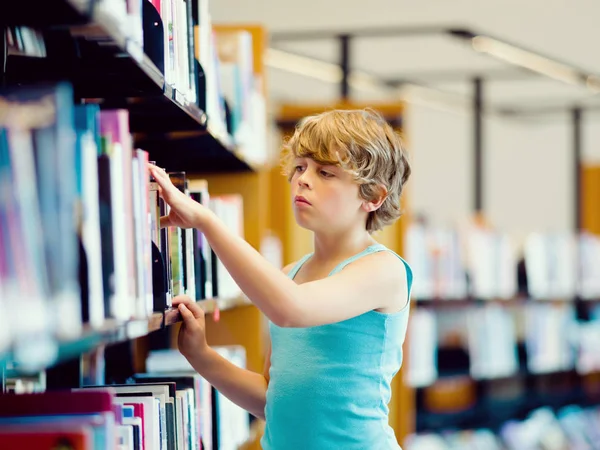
367 251
374 249
292 274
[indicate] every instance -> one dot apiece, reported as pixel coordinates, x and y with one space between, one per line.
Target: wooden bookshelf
106 67
590 189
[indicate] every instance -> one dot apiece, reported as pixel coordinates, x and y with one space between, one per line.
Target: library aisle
500 217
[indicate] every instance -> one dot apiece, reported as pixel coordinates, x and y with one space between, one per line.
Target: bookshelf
496 360
108 65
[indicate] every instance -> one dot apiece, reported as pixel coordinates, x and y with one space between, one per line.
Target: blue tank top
329 385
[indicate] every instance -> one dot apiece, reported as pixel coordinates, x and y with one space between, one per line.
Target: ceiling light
593 83
332 73
303 65
526 59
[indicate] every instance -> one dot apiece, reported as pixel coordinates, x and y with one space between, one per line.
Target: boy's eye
326 174
299 168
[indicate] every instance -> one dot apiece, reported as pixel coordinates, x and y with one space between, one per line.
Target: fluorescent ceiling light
332 73
303 65
526 59
593 83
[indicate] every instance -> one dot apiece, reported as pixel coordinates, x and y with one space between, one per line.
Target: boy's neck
338 246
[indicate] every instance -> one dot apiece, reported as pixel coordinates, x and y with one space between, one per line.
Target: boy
339 315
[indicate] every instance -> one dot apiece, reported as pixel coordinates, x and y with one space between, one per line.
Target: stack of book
80 240
553 338
25 41
169 407
483 263
197 55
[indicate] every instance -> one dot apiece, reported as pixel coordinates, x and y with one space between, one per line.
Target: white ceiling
568 31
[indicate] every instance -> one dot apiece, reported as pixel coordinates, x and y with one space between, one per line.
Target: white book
152 419
481 263
422 368
122 302
551 263
492 342
419 255
588 357
125 435
549 330
450 275
33 299
589 266
139 254
179 423
234 425
565 266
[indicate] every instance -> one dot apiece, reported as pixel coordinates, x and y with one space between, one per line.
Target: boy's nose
304 180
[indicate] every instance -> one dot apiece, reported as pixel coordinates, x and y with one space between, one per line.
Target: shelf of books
91 92
192 94
503 337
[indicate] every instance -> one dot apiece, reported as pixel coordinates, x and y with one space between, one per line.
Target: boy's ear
376 203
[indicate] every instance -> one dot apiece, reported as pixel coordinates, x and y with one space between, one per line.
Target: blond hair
362 143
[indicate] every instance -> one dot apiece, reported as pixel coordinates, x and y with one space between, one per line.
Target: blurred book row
552 337
170 407
571 427
24 41
484 263
206 66
80 240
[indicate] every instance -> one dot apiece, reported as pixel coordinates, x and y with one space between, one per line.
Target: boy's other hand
192 338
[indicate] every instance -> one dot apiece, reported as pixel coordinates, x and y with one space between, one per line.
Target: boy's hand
191 339
185 212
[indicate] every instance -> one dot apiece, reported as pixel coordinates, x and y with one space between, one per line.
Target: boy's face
325 197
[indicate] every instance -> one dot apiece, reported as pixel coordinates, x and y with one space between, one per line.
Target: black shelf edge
199 153
45 13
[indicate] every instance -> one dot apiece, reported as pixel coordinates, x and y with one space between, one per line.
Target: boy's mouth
300 199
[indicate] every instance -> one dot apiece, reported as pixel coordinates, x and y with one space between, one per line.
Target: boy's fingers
189 304
181 299
186 314
165 221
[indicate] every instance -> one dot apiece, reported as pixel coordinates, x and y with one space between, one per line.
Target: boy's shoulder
386 261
